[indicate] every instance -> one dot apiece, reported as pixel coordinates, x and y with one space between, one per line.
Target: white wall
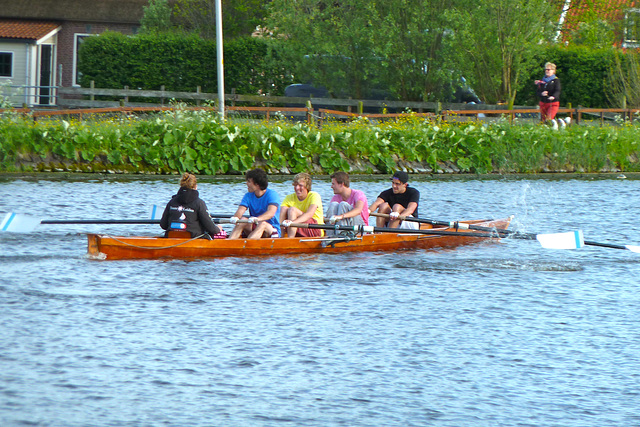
20 52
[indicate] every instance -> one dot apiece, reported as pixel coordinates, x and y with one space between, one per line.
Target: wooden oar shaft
451 224
428 232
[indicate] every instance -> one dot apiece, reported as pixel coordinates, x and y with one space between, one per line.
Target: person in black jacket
186 211
548 90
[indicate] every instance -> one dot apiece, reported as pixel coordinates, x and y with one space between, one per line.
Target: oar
19 223
156 213
371 229
567 240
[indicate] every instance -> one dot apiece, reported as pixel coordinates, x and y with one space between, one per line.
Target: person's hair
550 65
304 178
188 180
341 178
259 178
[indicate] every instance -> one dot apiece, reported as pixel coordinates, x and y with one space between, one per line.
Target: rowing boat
109 247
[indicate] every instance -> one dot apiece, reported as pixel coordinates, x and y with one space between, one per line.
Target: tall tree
359 48
409 37
330 41
496 42
156 17
239 17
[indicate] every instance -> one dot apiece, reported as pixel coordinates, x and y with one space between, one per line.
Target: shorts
309 232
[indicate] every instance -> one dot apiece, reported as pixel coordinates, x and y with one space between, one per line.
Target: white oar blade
155 212
569 240
633 248
17 223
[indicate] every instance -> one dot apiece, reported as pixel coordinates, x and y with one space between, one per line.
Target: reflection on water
494 334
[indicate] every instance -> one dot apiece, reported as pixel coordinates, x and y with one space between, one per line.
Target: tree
409 36
156 17
496 42
370 48
330 42
239 17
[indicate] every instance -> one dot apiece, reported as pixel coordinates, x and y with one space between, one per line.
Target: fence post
360 107
92 86
309 113
578 114
126 97
162 97
198 90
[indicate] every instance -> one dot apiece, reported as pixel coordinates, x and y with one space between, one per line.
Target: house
39 42
622 15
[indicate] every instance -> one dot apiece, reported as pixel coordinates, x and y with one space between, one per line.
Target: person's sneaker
554 124
562 123
567 120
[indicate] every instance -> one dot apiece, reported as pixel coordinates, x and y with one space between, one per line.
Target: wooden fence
82 101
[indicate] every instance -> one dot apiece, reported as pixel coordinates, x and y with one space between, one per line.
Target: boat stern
93 247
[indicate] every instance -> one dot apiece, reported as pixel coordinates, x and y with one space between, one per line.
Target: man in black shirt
398 201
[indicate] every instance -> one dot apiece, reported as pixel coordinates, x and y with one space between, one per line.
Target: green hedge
181 63
196 141
583 73
254 65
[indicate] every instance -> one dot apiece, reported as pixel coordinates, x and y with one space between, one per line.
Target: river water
499 334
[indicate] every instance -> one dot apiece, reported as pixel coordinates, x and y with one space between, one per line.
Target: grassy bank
195 141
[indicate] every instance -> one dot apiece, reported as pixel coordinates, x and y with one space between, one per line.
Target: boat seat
178 234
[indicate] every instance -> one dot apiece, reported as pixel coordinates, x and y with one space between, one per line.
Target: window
6 64
76 48
632 28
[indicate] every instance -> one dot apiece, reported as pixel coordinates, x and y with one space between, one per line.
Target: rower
398 201
348 206
187 212
303 206
264 209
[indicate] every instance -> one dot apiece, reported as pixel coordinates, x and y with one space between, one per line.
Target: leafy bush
197 141
180 63
583 72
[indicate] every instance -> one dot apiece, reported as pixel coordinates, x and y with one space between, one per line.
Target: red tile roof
611 11
20 29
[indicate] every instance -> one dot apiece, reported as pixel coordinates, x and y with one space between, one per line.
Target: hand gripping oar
566 240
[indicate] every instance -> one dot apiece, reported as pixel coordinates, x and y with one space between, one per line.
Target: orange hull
139 247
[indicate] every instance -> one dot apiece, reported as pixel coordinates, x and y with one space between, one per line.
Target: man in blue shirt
264 209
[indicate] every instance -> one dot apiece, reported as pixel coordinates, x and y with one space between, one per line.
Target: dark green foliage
583 72
180 63
181 140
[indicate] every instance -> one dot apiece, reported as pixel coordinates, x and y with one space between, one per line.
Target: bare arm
308 214
268 214
357 210
410 209
376 204
241 210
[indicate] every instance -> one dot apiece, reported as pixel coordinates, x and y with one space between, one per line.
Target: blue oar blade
155 212
17 223
568 240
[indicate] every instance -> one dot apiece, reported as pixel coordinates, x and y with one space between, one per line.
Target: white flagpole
220 59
